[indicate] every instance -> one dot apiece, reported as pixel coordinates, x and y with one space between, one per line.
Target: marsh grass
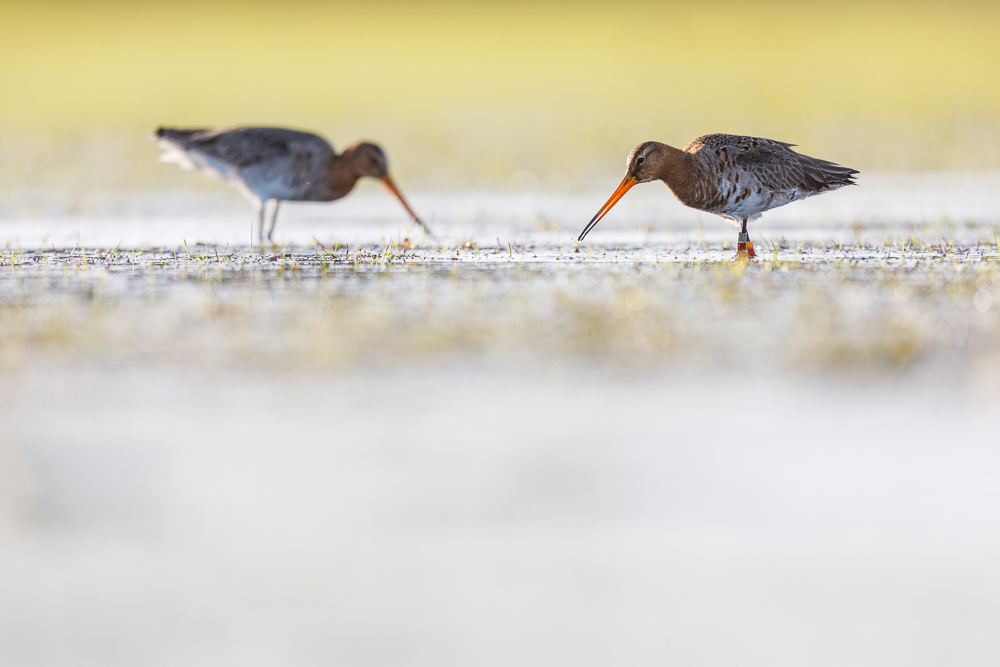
858 308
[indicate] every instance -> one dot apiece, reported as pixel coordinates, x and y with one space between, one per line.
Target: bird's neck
679 172
340 177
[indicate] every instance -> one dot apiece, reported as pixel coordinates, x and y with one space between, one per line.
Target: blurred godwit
735 177
271 164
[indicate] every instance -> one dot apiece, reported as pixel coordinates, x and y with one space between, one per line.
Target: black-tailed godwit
733 176
271 164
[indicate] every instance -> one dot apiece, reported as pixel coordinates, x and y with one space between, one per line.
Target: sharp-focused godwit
271 164
735 177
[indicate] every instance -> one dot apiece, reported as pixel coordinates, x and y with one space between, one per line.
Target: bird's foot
745 246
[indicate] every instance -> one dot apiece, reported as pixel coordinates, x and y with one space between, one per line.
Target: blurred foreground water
496 446
182 517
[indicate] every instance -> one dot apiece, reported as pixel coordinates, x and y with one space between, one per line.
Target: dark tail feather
177 136
824 175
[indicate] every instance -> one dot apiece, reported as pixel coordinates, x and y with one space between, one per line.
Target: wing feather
774 165
244 147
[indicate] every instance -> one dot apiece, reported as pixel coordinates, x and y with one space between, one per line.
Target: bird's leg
273 218
260 222
745 244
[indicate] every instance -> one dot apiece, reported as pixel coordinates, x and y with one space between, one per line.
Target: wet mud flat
484 453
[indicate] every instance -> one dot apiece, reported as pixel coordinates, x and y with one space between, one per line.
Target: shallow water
497 446
898 205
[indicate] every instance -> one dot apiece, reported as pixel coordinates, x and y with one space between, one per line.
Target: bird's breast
699 188
722 187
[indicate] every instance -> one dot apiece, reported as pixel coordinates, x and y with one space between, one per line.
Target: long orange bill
399 195
619 193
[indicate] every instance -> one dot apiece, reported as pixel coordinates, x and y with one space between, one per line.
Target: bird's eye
640 160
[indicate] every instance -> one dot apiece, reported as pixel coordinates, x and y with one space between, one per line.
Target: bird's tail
174 143
175 136
824 175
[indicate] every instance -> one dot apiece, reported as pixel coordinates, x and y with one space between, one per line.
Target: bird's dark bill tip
402 200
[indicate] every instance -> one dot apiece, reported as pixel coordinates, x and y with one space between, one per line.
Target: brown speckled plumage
273 164
733 176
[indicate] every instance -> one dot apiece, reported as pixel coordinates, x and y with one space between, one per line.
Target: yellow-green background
469 93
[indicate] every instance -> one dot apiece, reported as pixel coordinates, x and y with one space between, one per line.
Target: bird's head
370 160
646 162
